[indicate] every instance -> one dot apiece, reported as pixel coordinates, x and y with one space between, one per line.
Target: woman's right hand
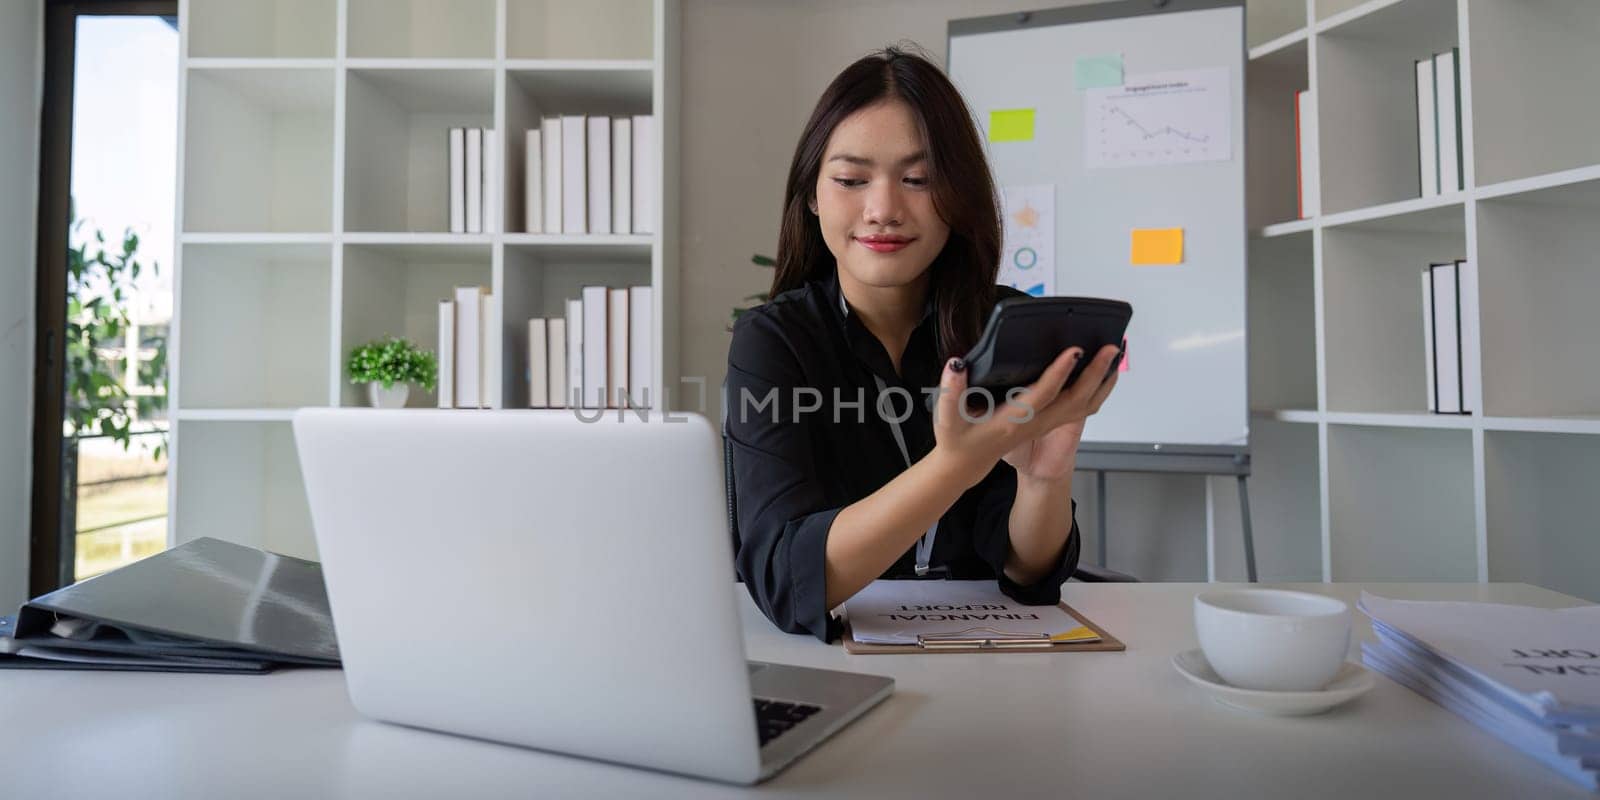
971 442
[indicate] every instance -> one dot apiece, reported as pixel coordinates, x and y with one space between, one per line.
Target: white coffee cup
1271 639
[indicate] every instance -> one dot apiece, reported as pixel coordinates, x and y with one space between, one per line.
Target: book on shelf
471 357
1427 130
458 180
1427 340
447 351
475 201
574 175
533 182
490 365
574 394
598 147
556 336
1440 157
550 134
599 354
538 363
1305 162
470 349
1447 94
640 354
1471 356
589 174
617 349
644 174
1450 336
622 175
474 183
595 327
1446 339
468 307
491 186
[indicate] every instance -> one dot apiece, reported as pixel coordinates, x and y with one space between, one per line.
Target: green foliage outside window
99 287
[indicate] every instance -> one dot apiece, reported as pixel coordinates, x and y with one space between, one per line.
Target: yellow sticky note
1157 246
1011 125
1078 634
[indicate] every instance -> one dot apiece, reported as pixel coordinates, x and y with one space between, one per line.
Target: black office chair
1083 573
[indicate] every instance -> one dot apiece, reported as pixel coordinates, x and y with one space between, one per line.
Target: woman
886 268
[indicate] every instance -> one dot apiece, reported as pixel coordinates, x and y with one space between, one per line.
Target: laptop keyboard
774 717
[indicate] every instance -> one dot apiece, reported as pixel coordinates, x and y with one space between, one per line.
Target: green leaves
99 285
391 361
760 261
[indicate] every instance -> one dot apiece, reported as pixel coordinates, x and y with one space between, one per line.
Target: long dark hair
962 275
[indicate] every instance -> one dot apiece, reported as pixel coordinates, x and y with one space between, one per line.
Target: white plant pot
380 397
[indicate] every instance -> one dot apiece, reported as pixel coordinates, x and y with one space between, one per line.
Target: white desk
1081 724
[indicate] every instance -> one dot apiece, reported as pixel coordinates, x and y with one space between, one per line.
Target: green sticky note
1094 72
1011 125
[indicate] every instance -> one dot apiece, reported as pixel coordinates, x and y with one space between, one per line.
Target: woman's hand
1050 457
1037 430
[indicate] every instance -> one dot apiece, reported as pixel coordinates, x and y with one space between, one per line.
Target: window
105 293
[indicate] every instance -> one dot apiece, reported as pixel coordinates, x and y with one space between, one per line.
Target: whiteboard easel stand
1191 460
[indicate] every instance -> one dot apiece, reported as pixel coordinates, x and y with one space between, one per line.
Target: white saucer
1352 681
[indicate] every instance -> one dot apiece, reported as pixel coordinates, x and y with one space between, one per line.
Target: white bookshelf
313 216
1337 380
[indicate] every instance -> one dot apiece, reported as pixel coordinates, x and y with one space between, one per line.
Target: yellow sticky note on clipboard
1078 634
1157 246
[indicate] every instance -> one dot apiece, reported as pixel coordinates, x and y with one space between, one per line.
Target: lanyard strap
925 544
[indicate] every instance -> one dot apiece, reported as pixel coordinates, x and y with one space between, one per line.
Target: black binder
206 606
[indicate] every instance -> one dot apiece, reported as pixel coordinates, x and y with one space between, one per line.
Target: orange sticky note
1157 246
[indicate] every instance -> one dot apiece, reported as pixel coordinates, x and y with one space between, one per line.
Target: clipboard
981 644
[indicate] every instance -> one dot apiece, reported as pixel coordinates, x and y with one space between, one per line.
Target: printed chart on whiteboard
1028 259
1160 118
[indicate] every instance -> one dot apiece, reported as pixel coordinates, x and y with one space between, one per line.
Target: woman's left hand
1051 456
1054 454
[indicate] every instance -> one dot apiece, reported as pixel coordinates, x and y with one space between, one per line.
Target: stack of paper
899 611
1529 676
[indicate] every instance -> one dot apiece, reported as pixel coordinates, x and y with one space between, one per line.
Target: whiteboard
1163 150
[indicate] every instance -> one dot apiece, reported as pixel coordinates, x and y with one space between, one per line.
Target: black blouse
793 475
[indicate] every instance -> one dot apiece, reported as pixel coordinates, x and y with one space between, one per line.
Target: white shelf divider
1281 43
222 62
1391 210
1286 228
255 238
1334 22
1539 182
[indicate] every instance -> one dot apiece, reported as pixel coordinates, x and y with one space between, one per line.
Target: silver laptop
532 578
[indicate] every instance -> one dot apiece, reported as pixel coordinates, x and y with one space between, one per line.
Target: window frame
51 551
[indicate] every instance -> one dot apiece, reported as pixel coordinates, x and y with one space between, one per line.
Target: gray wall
20 37
751 73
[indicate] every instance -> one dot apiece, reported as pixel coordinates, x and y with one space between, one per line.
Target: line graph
1164 118
1148 134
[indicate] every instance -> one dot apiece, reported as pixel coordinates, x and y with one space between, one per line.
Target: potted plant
388 366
